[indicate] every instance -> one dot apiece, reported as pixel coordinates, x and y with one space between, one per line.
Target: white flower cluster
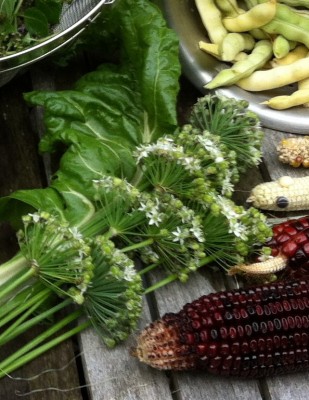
227 208
166 146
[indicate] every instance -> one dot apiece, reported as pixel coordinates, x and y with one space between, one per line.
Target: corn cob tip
159 346
270 266
294 151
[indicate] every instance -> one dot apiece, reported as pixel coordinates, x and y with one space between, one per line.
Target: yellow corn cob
287 193
294 151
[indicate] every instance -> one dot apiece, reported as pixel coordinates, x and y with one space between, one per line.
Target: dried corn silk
284 194
294 151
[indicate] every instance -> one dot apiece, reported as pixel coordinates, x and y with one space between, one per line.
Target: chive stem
138 245
172 277
15 281
13 327
163 282
149 268
15 308
10 335
28 352
12 267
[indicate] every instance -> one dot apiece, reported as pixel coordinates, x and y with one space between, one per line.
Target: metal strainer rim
57 36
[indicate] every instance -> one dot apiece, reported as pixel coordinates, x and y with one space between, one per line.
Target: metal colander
74 18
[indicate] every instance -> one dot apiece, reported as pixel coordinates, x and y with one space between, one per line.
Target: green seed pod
261 53
212 20
281 46
233 43
229 8
290 24
255 17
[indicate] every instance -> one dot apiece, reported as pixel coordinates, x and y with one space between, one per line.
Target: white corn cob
285 194
294 151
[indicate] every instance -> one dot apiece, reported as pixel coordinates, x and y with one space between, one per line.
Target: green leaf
152 49
7 7
78 208
19 203
92 159
36 22
136 101
112 110
70 205
105 108
51 9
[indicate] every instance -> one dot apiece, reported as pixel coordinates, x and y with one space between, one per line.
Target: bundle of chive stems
177 215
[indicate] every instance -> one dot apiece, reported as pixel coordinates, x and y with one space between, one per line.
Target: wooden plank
113 374
289 387
19 163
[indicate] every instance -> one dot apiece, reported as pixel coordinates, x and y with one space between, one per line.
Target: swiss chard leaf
20 202
113 109
92 159
153 50
78 209
68 204
105 108
141 94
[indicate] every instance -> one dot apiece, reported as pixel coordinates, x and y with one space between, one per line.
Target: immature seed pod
253 332
297 98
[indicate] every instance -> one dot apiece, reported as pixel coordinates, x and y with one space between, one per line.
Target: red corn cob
253 332
289 232
289 248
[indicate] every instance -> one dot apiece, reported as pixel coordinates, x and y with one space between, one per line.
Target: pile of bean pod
266 42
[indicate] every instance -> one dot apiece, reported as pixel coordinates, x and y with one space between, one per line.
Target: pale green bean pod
234 43
276 77
290 24
297 98
259 56
212 20
282 46
255 17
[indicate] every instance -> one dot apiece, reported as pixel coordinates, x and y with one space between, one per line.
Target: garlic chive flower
188 164
239 128
232 242
177 240
57 254
233 215
113 301
116 214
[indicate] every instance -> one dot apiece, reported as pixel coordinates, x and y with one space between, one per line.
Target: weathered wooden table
83 368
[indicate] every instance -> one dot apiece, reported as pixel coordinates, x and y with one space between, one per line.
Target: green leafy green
51 9
109 111
7 8
25 22
36 22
